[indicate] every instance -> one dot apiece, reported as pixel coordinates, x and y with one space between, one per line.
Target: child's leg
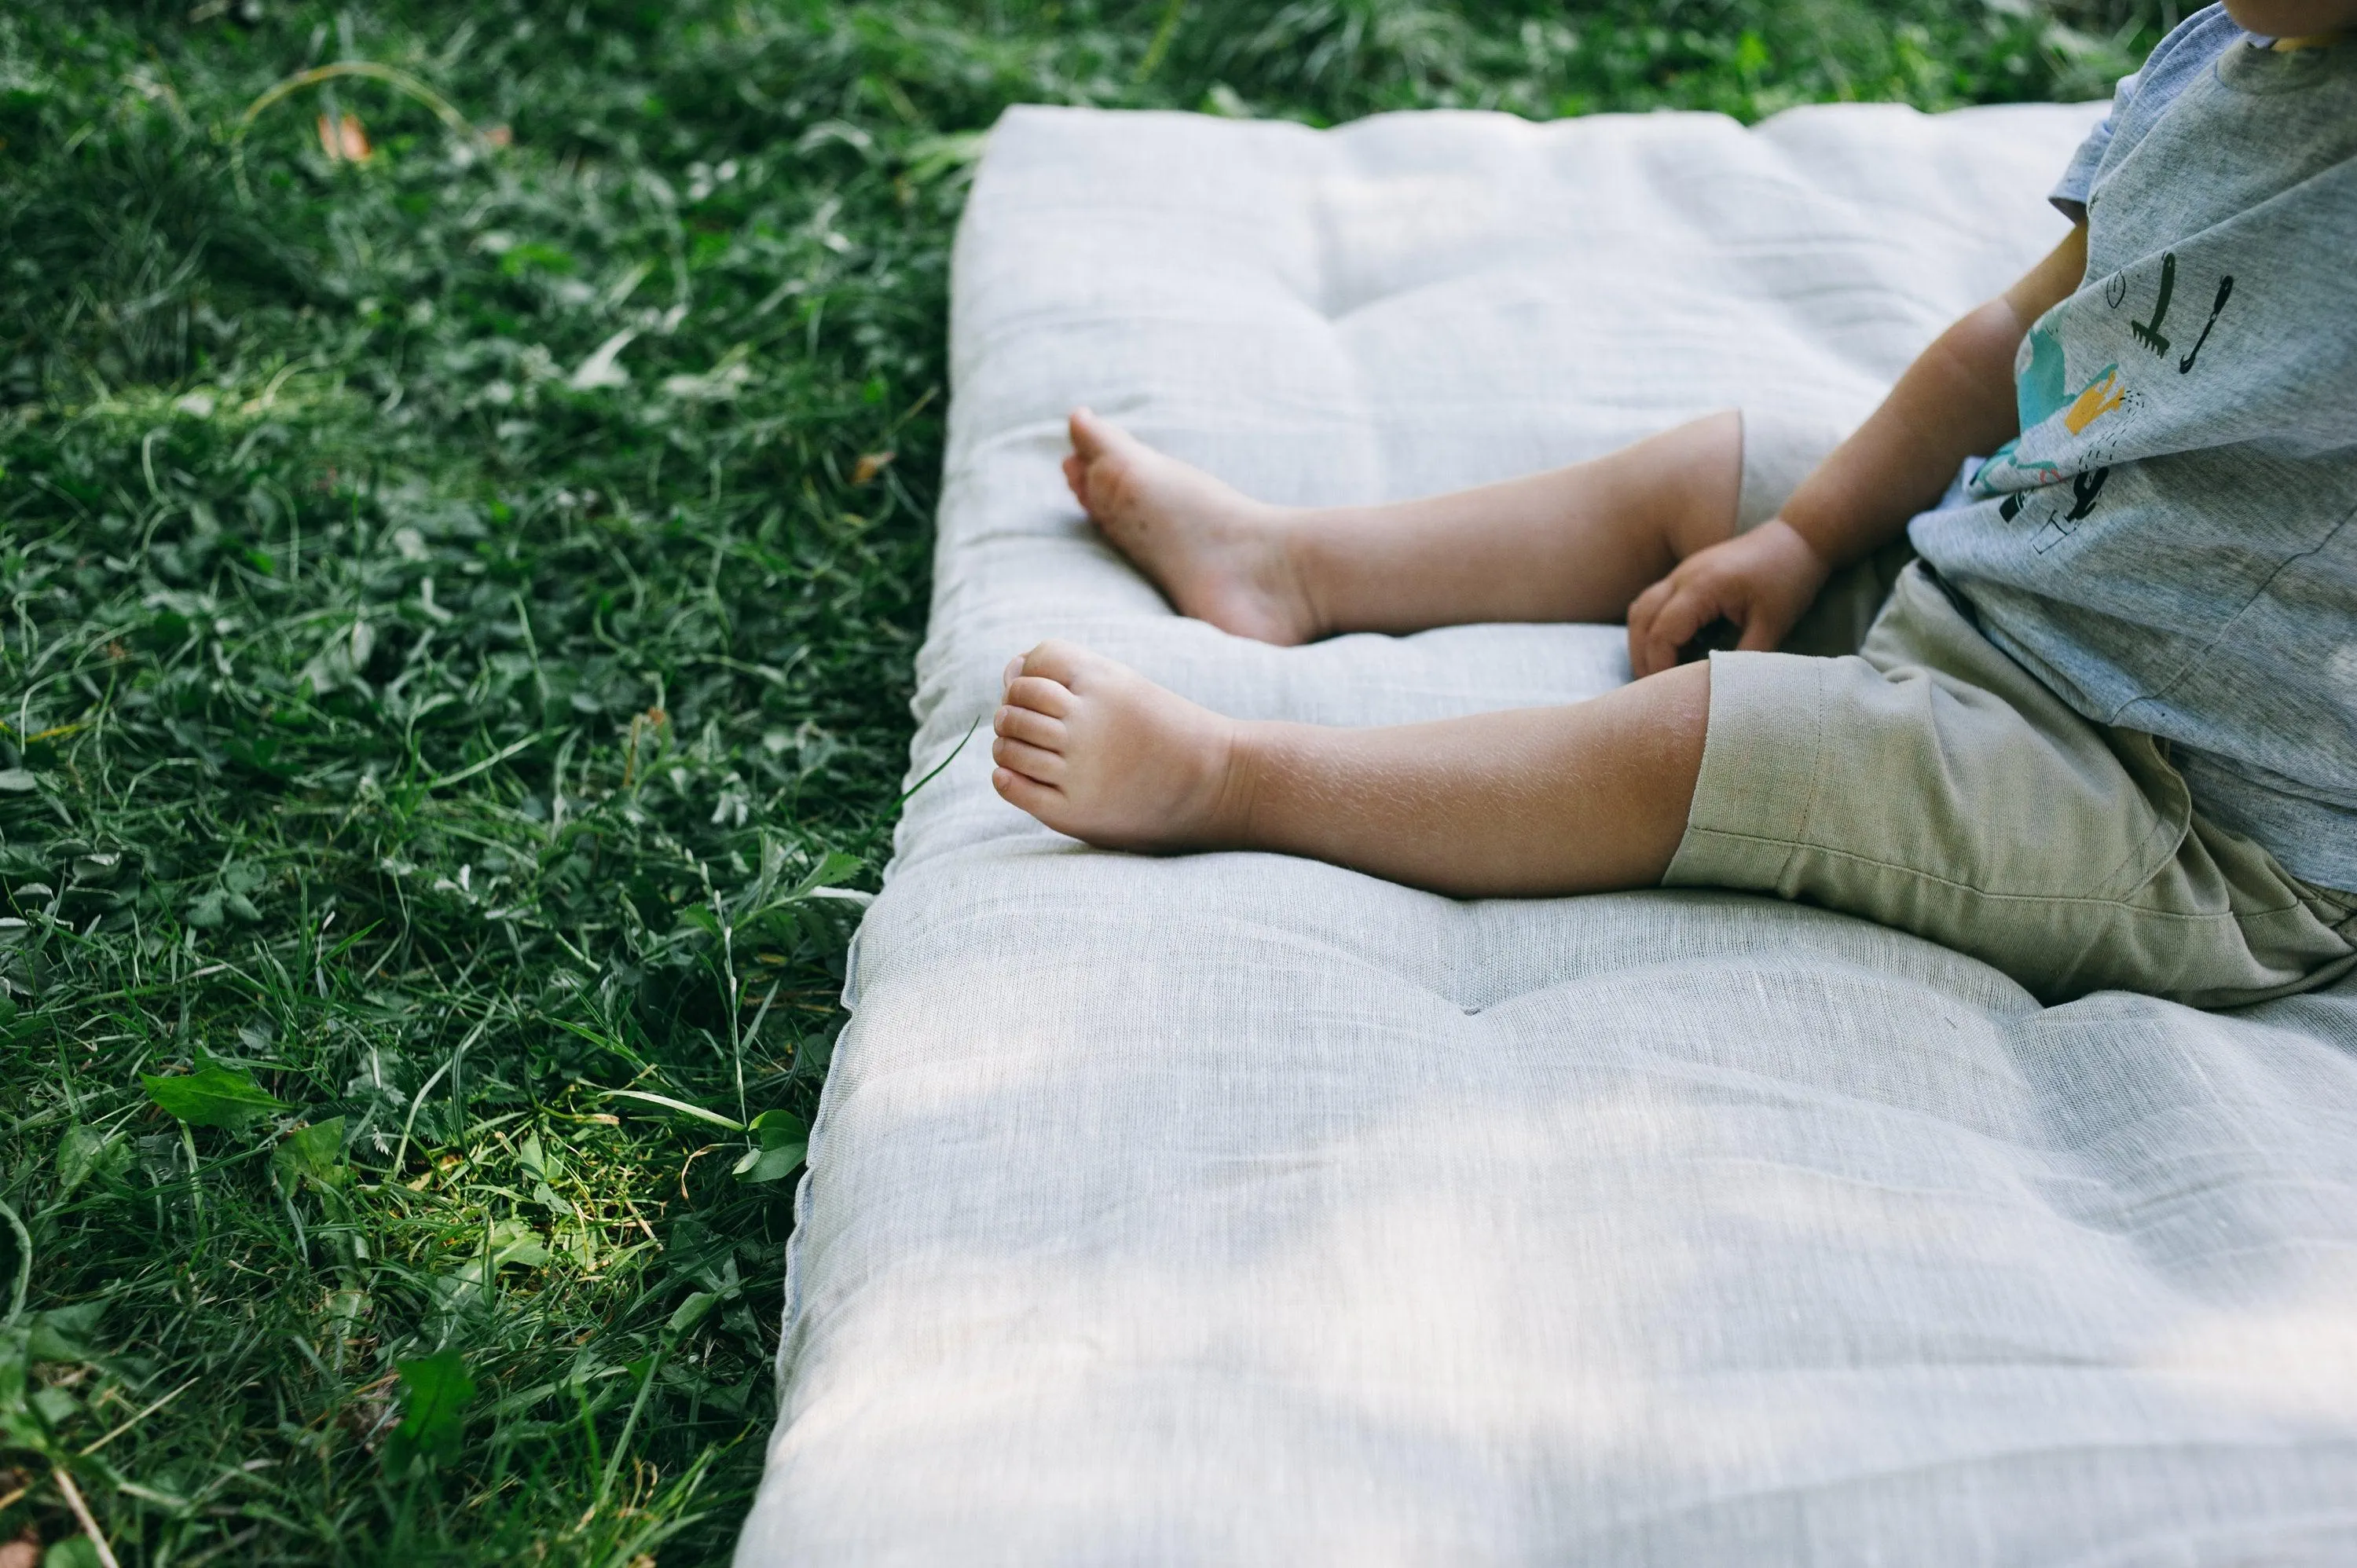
1571 544
1533 801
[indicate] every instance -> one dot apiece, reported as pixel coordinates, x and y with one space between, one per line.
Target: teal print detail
1983 484
2039 390
2004 463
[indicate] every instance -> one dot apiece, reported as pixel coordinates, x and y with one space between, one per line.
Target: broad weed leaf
437 1389
513 1241
30 1416
19 1427
691 1312
62 1333
776 1129
782 1141
510 1241
312 1154
85 1152
214 1096
761 1165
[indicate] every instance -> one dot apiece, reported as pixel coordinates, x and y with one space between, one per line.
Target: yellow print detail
2104 394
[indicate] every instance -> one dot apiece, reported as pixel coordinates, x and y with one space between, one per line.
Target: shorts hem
1755 784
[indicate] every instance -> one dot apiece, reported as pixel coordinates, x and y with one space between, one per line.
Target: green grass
415 738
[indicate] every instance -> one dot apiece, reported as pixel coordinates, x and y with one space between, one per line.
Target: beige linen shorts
1929 782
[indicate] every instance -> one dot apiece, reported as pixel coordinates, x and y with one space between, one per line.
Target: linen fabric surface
1237 1209
1931 783
2171 543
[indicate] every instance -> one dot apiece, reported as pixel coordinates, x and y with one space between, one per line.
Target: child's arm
1955 400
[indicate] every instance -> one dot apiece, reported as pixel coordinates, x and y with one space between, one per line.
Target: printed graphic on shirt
2043 396
2225 293
2149 331
2060 436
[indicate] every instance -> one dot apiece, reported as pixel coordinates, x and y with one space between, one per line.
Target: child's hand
1760 581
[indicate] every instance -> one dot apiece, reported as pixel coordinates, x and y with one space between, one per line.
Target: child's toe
1031 726
1040 696
1033 763
1028 794
1054 659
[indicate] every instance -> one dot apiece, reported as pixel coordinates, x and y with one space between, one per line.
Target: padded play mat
1237 1209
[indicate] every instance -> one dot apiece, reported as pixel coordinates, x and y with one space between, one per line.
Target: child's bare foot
1219 555
1094 750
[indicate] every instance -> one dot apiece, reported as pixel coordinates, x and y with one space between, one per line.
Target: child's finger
1642 611
1763 632
1686 612
1770 613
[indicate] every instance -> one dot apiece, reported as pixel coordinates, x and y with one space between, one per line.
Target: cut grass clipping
463 526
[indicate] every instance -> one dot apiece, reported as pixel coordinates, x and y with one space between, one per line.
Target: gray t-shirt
2171 543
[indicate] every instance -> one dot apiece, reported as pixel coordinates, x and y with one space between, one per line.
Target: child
2101 734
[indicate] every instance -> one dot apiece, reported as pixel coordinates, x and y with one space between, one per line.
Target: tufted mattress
1237 1209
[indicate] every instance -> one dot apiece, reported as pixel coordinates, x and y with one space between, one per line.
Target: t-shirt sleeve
2190 48
2070 192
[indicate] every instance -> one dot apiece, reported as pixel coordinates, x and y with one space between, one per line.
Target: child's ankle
1303 545
1260 752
